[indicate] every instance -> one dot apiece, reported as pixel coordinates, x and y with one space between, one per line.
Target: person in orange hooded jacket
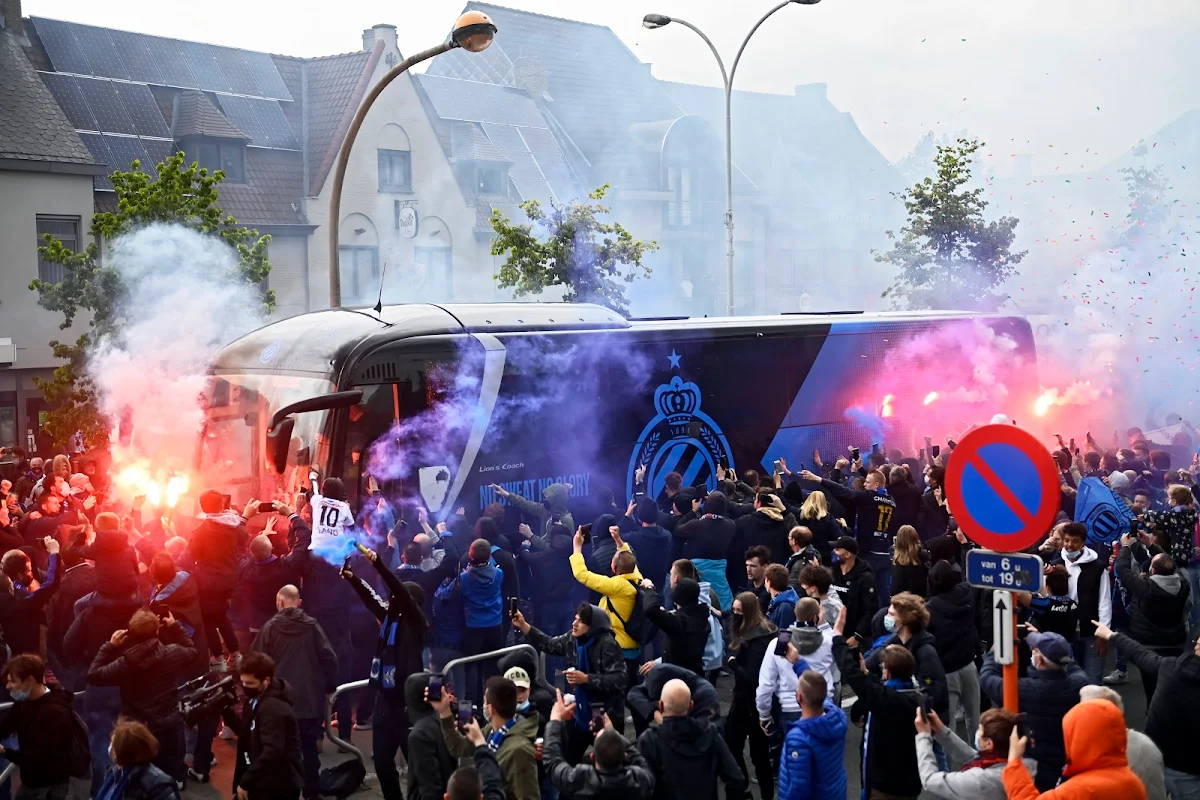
1097 769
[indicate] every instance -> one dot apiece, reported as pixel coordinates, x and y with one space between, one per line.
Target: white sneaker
1117 676
227 733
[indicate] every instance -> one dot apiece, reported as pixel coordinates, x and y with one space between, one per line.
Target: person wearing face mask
508 735
816 582
751 636
854 582
1089 586
976 770
44 723
269 764
906 623
430 764
1047 692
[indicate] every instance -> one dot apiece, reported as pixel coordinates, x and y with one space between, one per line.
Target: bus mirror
279 439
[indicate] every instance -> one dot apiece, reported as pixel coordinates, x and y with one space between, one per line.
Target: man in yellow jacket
619 594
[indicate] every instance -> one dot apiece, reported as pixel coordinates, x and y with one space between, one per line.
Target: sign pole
1011 673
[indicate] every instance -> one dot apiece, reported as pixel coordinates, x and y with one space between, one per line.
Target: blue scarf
583 705
114 784
498 736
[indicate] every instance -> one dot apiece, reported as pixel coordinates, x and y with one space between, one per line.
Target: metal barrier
345 746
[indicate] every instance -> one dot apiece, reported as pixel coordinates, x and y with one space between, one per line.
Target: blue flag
1105 515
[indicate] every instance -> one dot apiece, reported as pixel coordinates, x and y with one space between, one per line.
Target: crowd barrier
345 746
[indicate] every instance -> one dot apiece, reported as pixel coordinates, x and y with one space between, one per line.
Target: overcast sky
1074 82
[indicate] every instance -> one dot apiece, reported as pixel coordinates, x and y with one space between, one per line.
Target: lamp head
806 2
474 32
655 21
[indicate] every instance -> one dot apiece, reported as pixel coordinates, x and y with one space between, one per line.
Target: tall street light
473 32
656 21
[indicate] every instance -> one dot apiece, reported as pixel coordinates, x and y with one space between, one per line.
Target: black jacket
935 519
825 532
212 557
148 673
1045 696
745 662
686 628
45 730
148 782
181 597
116 562
606 675
541 694
21 614
555 581
930 675
766 527
687 757
889 748
643 698
60 611
856 588
633 780
913 579
303 657
1173 719
875 516
1160 604
952 623
706 537
430 763
908 503
269 763
403 631
257 584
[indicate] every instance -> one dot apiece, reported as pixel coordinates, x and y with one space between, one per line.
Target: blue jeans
1182 785
1087 658
881 565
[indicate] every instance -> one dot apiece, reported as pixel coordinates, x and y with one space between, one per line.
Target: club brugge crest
682 439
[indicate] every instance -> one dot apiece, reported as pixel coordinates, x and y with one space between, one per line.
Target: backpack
79 757
637 627
342 780
714 648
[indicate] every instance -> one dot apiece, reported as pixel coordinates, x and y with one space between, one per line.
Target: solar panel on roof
139 103
279 132
136 55
523 164
106 106
262 120
204 66
505 137
554 166
480 102
233 64
266 75
70 99
169 59
95 144
531 188
565 192
101 52
158 151
125 149
540 140
59 40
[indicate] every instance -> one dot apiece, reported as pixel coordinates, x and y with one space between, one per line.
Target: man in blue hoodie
812 766
782 609
482 587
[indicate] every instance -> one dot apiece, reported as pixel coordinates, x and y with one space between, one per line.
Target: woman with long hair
132 776
815 516
910 563
751 635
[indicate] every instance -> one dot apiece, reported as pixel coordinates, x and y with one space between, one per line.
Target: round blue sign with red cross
1003 487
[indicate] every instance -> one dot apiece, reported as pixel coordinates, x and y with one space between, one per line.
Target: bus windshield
238 409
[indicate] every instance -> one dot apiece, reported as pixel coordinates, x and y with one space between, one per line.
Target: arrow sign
1002 627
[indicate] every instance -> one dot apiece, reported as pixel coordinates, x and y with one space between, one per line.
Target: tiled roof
274 181
195 115
336 86
468 142
32 126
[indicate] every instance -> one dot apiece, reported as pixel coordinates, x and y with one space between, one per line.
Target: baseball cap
848 543
1052 646
519 677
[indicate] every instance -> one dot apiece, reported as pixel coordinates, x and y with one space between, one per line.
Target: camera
202 700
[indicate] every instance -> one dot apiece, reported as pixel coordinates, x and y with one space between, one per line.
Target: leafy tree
183 195
949 257
1147 189
580 251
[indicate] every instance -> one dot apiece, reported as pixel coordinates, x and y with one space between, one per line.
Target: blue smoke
869 420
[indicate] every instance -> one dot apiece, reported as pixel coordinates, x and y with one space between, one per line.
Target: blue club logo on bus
681 438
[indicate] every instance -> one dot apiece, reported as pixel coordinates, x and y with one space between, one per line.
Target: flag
1104 513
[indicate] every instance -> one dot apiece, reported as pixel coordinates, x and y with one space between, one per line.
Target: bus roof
320 342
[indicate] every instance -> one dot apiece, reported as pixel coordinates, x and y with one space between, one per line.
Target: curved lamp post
656 21
473 32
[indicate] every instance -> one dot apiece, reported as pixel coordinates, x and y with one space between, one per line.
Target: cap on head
519 677
1052 646
847 543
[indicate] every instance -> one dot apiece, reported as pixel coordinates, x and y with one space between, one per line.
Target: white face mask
978 743
1033 662
1072 556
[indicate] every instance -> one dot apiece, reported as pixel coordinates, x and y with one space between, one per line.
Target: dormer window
491 180
214 154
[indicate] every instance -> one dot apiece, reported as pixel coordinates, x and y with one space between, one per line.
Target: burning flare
1079 393
885 408
929 398
160 491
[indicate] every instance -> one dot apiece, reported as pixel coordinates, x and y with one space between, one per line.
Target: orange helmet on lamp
474 31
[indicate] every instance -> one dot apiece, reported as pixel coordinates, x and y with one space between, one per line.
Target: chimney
10 16
813 92
1023 166
531 76
376 33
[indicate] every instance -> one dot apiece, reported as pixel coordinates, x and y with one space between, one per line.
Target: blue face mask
523 707
834 557
1072 556
20 695
889 624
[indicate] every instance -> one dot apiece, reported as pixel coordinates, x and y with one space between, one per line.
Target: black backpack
638 626
342 780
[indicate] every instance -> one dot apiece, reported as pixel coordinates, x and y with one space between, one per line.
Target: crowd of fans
824 601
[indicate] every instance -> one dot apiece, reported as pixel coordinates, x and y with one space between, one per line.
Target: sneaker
364 725
180 785
1117 676
198 777
227 733
217 665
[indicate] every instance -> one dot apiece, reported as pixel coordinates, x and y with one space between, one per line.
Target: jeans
1087 658
742 725
99 708
1193 572
217 627
336 624
310 735
202 754
963 686
1182 785
58 792
389 734
881 565
475 642
171 749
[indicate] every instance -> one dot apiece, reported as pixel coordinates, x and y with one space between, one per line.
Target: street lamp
656 21
473 32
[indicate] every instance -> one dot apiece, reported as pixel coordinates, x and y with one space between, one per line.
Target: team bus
436 405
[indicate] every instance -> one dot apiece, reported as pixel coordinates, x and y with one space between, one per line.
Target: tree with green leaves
574 248
183 195
948 255
1147 189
